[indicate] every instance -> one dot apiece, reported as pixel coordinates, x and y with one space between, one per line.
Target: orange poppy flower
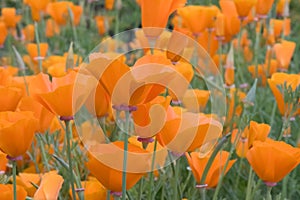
243 7
251 133
25 180
150 117
51 28
92 190
44 116
156 14
101 24
188 131
198 165
281 6
263 71
3 34
273 160
229 76
60 98
284 52
191 14
29 32
16 132
3 161
9 17
37 7
195 100
50 186
208 41
263 7
8 193
220 25
100 161
278 80
9 98
32 49
109 4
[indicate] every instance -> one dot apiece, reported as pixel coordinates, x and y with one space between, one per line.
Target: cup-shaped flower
8 193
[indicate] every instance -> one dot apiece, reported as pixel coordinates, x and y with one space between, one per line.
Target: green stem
152 168
203 193
36 30
107 194
239 172
69 138
124 173
43 152
141 188
14 163
256 47
284 187
249 185
269 195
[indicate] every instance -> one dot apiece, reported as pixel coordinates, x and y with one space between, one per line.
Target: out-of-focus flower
198 165
8 193
284 52
26 179
263 7
10 18
3 34
51 28
32 49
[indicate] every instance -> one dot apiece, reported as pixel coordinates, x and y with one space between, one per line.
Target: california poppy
104 169
93 189
9 98
7 192
26 179
16 132
49 187
51 28
263 70
277 81
243 7
263 7
33 51
3 33
156 14
273 160
109 4
9 17
198 165
101 23
37 7
284 52
29 32
280 7
3 162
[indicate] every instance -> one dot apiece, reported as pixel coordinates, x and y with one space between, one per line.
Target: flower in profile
37 7
51 28
273 160
26 179
3 33
16 132
8 193
284 52
9 98
253 132
280 84
198 165
10 18
32 49
29 32
263 7
109 4
109 171
156 14
243 7
50 186
101 23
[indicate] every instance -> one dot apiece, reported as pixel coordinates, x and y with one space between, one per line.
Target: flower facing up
273 160
16 132
198 165
50 186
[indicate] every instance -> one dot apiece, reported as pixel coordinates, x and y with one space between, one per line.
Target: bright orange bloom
50 186
16 132
92 190
229 76
188 131
284 52
109 4
32 49
191 14
51 28
9 98
59 12
278 80
37 7
243 7
44 116
9 17
195 100
263 7
273 160
3 33
198 165
8 193
281 6
251 133
25 180
263 71
3 162
109 177
208 41
101 24
156 13
29 32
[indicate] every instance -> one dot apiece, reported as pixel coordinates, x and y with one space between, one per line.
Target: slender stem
36 29
269 195
69 138
152 168
249 185
43 152
14 163
124 173
203 193
141 188
284 187
107 194
239 172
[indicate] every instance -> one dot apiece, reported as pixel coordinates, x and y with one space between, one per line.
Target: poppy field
149 99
